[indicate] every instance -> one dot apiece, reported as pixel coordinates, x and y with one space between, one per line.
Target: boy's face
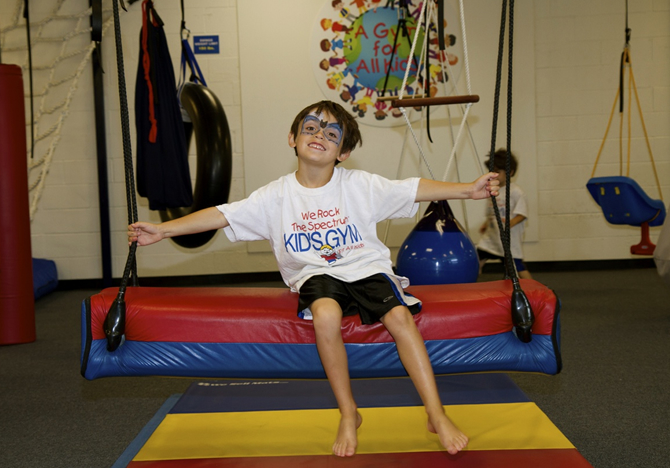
320 139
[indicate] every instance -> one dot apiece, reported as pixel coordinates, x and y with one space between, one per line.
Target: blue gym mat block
45 277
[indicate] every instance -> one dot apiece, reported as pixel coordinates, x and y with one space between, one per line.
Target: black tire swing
207 120
214 158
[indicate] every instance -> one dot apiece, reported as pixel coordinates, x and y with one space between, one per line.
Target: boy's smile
318 146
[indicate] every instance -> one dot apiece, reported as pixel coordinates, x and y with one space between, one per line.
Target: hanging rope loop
522 313
114 325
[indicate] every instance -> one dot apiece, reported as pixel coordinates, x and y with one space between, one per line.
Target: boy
321 222
490 246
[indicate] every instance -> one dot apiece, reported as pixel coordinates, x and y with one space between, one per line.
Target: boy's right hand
144 233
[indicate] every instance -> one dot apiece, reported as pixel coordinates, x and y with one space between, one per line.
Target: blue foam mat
45 277
269 395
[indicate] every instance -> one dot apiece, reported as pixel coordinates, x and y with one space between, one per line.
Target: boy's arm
200 221
516 220
483 187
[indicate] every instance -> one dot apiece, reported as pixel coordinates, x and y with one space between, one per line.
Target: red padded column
17 302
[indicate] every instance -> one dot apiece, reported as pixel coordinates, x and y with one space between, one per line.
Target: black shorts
370 297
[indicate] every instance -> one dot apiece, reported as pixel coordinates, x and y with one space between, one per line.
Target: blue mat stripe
281 395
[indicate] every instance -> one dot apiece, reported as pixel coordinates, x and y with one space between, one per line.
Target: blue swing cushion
624 202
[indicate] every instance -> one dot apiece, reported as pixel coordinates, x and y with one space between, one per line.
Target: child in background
490 245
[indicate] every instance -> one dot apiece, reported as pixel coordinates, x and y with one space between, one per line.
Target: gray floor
611 400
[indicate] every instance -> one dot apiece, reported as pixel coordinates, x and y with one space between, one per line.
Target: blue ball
438 250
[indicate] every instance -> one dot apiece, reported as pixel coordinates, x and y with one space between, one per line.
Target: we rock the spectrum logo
360 51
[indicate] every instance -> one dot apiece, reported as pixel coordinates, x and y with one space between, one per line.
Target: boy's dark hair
351 134
500 161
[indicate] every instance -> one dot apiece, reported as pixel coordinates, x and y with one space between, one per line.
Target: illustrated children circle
361 51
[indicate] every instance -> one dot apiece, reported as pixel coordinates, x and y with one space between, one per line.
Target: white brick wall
577 50
578 47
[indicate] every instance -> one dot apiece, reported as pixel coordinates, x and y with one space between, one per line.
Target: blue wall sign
206 44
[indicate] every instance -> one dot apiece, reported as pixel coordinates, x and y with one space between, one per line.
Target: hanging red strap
146 64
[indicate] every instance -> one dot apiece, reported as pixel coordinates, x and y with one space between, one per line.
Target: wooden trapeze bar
395 98
435 101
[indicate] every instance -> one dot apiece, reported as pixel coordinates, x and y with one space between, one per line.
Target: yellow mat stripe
509 426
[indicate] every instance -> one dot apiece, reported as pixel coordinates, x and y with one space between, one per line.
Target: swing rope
466 62
496 105
447 71
447 66
504 230
464 119
114 325
522 313
401 92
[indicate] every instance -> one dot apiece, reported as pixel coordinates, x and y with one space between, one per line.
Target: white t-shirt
490 241
327 230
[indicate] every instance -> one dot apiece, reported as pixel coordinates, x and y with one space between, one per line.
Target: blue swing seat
624 202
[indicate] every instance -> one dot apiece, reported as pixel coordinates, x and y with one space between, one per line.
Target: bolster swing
255 333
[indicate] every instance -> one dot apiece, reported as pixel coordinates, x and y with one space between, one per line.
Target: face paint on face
313 125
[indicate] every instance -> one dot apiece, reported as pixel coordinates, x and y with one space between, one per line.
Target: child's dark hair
351 134
500 161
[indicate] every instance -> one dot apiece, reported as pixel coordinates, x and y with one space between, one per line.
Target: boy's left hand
485 186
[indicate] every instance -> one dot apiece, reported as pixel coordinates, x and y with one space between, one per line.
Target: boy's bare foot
451 437
347 439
